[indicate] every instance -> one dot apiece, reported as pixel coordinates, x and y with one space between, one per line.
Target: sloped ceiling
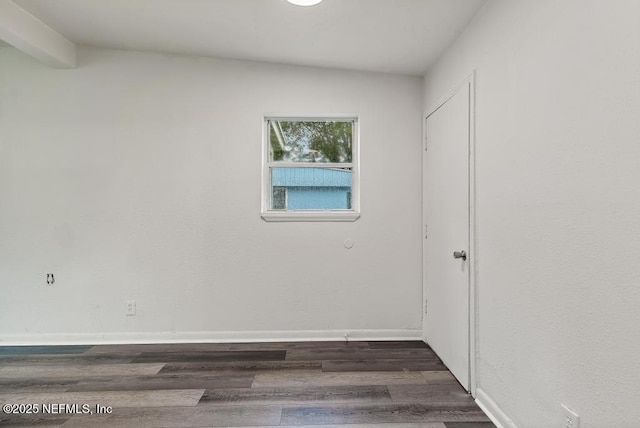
394 36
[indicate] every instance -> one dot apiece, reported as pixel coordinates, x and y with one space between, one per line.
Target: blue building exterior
311 188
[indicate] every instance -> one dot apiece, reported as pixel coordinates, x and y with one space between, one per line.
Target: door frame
470 82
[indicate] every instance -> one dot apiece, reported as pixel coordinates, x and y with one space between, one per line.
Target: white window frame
311 215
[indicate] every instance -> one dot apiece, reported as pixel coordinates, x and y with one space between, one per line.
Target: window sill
310 216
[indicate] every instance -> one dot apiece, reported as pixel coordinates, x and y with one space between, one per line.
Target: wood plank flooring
400 384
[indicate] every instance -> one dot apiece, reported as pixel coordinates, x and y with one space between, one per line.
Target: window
310 169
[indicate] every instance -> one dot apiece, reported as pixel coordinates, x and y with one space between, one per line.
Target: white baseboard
204 337
492 410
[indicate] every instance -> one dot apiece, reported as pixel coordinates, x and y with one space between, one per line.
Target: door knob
460 255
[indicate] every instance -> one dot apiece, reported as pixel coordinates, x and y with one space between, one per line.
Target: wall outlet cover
570 419
131 307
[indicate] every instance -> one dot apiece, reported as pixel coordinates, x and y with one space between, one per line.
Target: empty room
337 213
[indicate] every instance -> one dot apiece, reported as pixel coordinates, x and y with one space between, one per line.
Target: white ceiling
395 36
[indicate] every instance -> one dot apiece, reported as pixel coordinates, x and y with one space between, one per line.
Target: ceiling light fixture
304 2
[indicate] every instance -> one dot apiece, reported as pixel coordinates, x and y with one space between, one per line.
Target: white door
446 217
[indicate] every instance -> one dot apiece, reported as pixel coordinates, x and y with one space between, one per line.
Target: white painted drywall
137 177
558 205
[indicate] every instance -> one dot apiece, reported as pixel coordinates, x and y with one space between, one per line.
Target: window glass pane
310 141
313 188
279 201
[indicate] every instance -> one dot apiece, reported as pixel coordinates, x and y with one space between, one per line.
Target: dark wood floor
337 384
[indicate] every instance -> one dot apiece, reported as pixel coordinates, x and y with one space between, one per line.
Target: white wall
558 205
137 176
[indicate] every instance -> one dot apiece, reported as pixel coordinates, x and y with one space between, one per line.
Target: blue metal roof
310 177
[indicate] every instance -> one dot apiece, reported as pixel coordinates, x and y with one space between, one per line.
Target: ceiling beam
33 37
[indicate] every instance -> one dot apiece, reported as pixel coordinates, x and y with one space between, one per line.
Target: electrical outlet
50 279
569 418
131 307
